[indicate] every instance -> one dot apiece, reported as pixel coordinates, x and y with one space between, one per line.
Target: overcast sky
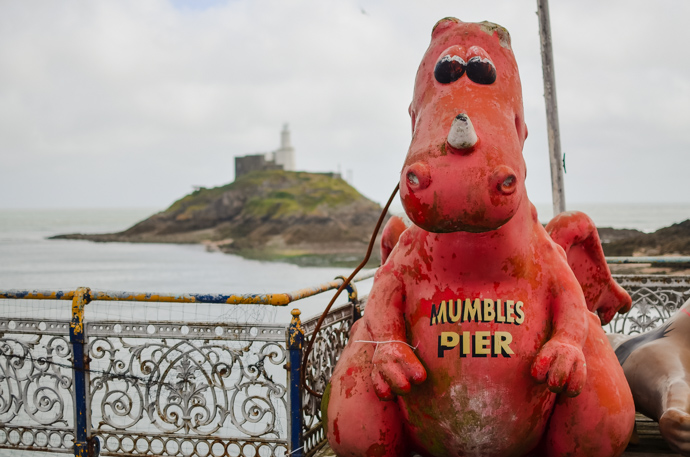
131 103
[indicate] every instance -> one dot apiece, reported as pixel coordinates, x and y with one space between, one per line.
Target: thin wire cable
414 348
340 289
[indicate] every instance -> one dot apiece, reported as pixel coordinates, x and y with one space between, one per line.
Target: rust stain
296 332
82 297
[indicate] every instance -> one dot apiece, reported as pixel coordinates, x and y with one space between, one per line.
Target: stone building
280 159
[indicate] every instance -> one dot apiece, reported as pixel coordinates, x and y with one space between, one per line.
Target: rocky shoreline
668 241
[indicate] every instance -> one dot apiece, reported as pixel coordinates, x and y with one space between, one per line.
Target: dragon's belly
478 347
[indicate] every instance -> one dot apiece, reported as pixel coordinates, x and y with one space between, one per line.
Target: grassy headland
308 218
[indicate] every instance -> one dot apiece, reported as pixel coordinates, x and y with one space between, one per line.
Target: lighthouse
285 156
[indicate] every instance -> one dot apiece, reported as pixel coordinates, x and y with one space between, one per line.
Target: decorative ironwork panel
115 443
655 299
30 438
33 327
36 385
328 345
196 330
162 388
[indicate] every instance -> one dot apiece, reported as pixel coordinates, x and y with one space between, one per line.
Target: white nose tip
462 135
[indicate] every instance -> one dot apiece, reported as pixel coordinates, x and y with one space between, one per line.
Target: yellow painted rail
275 299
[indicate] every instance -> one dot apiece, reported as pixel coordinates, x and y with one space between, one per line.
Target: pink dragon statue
477 339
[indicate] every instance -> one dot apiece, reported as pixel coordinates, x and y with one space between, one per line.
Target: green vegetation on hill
296 216
274 194
200 198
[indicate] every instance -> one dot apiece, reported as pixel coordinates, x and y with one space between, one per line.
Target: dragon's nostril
508 185
418 176
504 180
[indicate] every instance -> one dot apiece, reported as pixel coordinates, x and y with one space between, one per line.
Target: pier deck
650 444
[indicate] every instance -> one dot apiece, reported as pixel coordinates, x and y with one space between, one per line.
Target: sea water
647 217
29 260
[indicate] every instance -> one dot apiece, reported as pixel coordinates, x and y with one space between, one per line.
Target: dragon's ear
444 24
502 32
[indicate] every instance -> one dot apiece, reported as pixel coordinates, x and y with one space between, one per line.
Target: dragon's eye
481 70
449 68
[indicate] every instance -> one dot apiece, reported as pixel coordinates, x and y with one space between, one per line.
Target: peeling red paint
376 450
336 431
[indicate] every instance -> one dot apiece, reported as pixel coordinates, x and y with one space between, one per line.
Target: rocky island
316 219
300 217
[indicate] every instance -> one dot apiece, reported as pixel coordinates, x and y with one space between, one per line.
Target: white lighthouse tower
285 156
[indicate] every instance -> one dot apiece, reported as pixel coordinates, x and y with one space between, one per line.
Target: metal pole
295 341
354 299
556 159
80 367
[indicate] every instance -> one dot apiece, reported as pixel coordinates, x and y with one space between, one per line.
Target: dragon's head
464 170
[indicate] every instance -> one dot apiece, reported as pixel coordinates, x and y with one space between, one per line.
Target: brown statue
657 367
656 363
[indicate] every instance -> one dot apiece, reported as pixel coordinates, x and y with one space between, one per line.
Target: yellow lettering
449 339
438 316
446 341
509 311
472 310
465 343
482 341
501 344
499 310
489 313
520 315
454 311
477 344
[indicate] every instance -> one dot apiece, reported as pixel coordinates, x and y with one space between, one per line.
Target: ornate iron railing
36 386
158 388
133 388
655 299
328 345
203 390
196 389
